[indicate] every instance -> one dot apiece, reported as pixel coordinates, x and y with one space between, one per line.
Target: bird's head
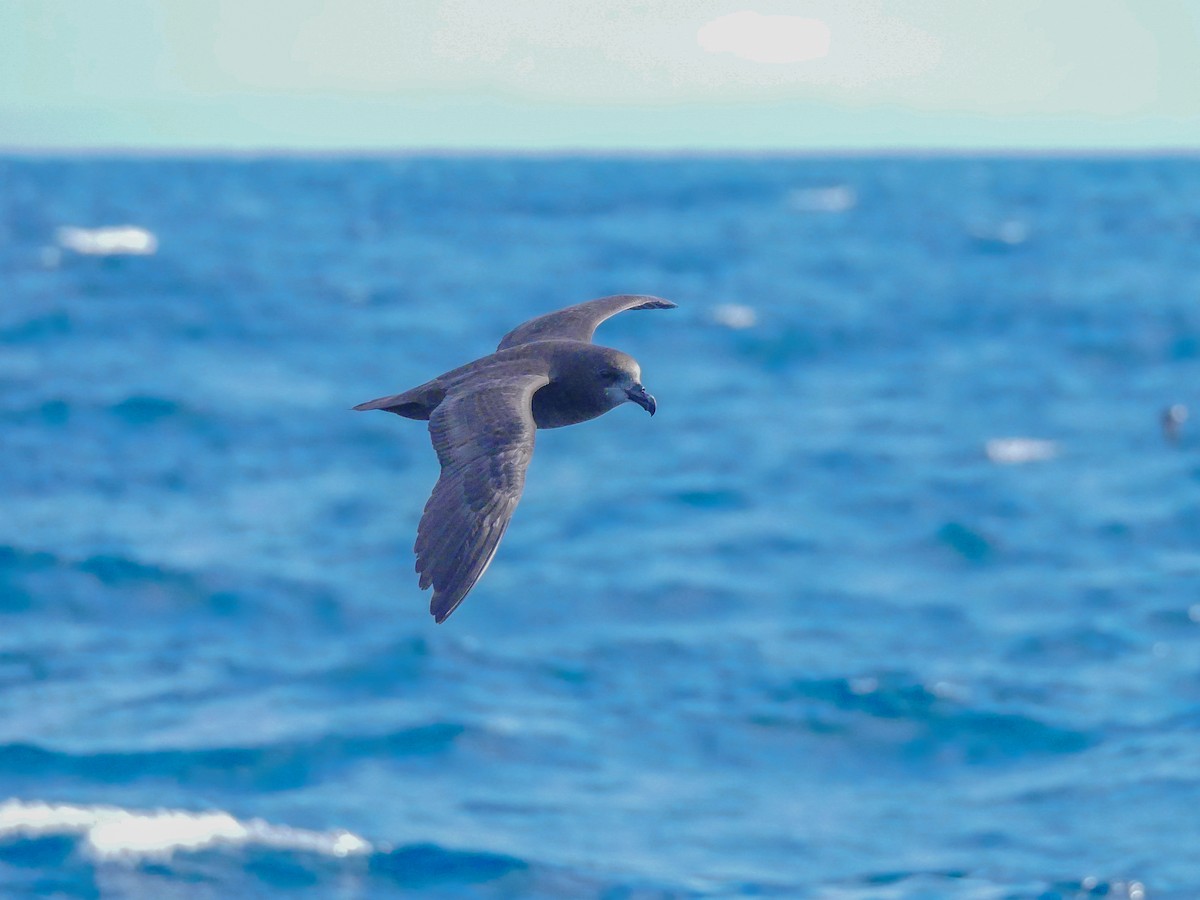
620 377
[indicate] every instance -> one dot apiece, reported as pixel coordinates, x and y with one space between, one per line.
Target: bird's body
482 417
558 403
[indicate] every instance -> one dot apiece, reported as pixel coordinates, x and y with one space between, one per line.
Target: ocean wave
87 587
282 765
967 885
132 850
929 720
110 832
53 581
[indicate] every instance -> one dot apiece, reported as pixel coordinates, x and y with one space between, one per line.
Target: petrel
546 373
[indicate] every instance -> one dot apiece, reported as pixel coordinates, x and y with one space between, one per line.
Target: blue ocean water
898 596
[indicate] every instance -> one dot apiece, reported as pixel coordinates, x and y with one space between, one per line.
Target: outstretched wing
483 434
578 322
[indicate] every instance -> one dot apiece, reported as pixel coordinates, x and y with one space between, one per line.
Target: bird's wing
483 434
578 322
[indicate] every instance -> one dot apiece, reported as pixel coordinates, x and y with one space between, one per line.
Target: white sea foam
110 832
832 199
1013 451
734 315
111 240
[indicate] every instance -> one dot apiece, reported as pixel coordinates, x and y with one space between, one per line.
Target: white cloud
765 39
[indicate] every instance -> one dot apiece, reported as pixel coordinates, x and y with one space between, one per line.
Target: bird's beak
638 395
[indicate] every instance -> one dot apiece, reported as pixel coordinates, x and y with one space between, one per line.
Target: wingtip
440 610
657 303
440 605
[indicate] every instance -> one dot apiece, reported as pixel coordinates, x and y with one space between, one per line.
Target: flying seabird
546 373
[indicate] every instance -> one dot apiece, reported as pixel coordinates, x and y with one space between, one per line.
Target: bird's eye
609 375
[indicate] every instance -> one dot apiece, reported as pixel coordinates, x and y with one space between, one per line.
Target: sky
601 75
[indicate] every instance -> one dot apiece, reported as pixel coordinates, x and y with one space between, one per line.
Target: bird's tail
415 404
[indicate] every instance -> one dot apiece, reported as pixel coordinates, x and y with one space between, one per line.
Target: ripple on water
920 722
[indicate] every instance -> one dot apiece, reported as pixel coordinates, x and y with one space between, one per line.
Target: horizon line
1167 151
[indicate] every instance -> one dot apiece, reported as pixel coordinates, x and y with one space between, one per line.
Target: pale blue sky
380 75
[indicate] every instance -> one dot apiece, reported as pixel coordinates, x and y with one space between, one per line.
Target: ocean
898 596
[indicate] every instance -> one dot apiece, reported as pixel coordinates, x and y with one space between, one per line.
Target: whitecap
1013 451
734 315
111 240
110 832
833 198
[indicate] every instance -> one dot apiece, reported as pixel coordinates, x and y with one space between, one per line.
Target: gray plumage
546 373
